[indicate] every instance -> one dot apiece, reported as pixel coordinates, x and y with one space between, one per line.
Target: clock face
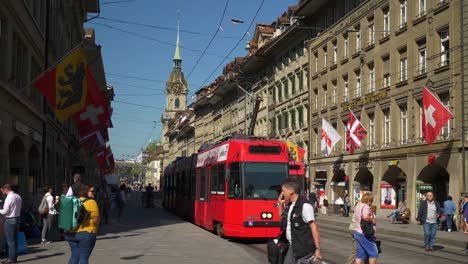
177 88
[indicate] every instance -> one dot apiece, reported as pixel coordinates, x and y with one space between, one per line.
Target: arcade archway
435 178
393 187
363 182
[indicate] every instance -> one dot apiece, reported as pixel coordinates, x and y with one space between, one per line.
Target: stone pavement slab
148 236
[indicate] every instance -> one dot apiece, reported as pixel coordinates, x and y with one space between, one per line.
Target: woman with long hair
82 242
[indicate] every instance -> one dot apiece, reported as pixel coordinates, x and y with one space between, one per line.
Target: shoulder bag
367 227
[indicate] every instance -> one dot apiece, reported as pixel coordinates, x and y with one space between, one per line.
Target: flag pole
44 101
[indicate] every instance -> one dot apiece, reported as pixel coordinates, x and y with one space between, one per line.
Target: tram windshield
262 180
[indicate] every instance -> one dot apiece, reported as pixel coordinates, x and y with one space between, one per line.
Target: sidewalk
384 226
148 236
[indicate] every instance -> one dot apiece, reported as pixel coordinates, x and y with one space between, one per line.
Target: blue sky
141 54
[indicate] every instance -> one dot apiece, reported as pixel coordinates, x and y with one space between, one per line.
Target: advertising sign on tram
217 154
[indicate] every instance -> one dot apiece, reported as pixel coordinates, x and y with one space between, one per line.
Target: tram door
202 197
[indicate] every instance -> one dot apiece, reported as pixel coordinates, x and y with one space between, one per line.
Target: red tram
231 188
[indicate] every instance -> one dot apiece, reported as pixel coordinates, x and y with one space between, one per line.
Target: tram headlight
266 215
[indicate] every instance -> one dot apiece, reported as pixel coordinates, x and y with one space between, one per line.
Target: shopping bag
22 243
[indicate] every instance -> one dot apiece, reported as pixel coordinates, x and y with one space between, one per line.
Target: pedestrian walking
313 200
449 211
11 211
104 201
77 185
464 213
366 246
352 258
121 201
301 229
324 204
82 242
149 196
49 216
429 211
346 204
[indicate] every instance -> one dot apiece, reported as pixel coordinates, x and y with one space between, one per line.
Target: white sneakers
450 230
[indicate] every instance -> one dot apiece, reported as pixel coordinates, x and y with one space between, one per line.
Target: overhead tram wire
211 40
140 105
155 40
237 44
163 28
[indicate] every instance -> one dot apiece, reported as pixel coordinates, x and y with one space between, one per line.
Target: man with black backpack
301 228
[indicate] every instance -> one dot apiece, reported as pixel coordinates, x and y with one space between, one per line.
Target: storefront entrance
433 178
363 182
395 177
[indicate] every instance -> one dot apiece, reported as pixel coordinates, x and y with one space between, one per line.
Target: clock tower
176 92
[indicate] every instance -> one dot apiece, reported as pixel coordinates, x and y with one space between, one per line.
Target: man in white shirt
49 219
302 229
11 211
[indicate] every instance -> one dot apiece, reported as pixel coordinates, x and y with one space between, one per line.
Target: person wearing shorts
366 246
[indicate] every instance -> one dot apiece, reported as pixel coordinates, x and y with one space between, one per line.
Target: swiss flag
96 114
434 116
95 140
105 160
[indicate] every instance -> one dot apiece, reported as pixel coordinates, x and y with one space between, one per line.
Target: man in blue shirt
449 210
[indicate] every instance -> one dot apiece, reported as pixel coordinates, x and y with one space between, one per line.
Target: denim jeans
11 230
429 234
449 221
81 246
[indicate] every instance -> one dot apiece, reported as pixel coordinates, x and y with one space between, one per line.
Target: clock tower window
177 103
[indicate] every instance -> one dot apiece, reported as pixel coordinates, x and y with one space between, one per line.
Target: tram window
262 180
234 181
221 178
214 180
203 175
264 150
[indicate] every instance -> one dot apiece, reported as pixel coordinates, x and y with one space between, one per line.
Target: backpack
43 206
72 212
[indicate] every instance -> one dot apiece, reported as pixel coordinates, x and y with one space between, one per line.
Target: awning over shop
364 176
433 173
392 175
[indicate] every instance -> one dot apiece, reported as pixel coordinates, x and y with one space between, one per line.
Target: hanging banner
388 196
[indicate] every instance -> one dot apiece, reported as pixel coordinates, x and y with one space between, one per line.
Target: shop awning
364 176
433 173
392 174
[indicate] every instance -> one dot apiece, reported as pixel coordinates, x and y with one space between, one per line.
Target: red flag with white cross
96 114
434 116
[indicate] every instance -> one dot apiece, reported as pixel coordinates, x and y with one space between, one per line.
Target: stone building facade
35 149
375 61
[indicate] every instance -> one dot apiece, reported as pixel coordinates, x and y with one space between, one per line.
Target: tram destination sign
213 155
371 98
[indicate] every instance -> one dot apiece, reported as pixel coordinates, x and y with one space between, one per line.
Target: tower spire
177 57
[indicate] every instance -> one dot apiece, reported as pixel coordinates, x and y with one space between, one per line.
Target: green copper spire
177 56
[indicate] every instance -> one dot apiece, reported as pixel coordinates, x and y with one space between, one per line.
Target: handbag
276 251
378 243
366 227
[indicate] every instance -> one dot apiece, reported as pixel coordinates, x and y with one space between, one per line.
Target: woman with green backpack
83 239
